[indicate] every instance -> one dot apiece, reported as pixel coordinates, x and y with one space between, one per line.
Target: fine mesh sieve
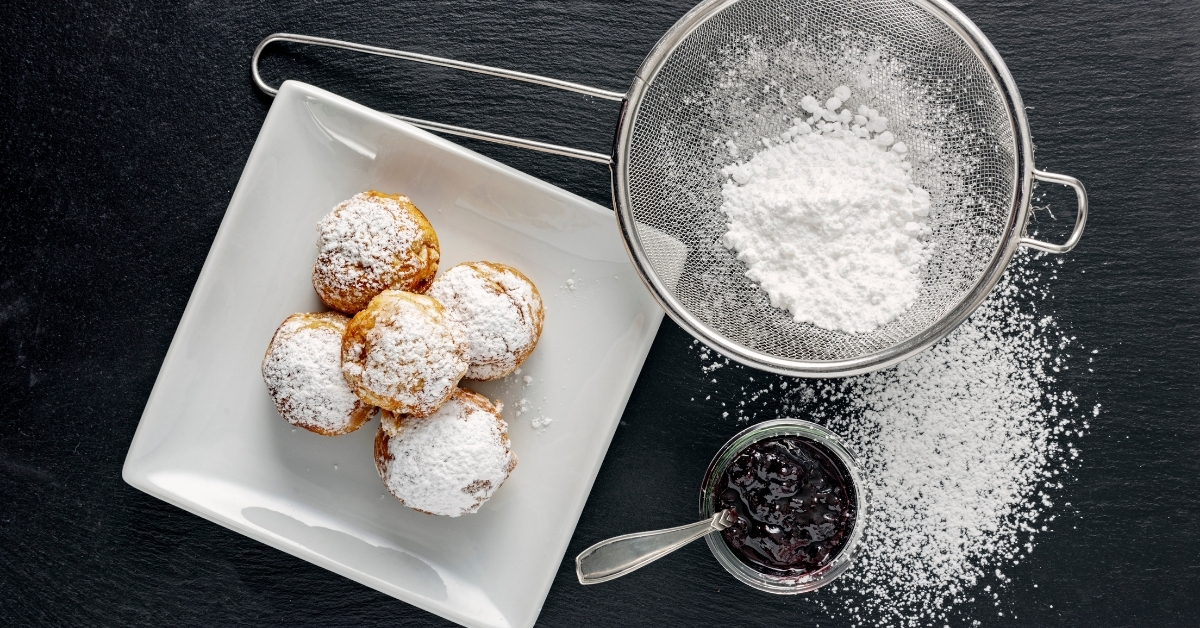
732 72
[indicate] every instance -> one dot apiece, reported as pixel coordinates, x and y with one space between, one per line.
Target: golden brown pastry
302 369
402 353
500 310
371 243
448 463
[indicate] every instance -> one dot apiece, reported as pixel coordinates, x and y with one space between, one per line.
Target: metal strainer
732 72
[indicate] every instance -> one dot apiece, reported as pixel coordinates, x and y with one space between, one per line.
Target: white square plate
211 442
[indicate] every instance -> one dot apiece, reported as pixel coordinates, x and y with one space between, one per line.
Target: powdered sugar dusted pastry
402 353
302 369
448 463
499 308
371 243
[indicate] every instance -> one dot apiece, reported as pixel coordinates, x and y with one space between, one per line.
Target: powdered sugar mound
302 370
829 222
499 309
449 463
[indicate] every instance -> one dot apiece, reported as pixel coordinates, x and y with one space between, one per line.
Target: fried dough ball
402 353
371 243
302 369
448 463
499 308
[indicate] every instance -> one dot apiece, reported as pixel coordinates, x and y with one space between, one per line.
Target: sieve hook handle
497 138
1080 216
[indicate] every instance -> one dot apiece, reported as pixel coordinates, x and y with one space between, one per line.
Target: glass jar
785 585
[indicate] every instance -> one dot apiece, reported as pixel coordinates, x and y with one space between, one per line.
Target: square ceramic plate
211 442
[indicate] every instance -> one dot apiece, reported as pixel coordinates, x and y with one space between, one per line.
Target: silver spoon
620 555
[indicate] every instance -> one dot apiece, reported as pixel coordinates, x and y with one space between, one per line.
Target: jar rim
785 585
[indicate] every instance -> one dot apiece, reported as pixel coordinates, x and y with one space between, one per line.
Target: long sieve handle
1080 216
459 65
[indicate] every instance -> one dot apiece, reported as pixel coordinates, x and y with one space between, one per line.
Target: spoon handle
620 555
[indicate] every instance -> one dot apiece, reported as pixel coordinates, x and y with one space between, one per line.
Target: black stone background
125 126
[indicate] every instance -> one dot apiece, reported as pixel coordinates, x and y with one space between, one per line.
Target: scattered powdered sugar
410 357
962 446
499 309
451 462
517 388
828 220
302 370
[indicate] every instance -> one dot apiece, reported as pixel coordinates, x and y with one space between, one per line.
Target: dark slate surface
125 126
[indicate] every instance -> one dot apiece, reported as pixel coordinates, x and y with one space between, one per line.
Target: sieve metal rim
617 160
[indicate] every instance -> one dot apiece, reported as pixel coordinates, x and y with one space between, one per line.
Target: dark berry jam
794 502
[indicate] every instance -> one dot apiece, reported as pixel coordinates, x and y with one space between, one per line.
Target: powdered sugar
828 220
403 353
449 463
961 445
302 370
957 442
500 310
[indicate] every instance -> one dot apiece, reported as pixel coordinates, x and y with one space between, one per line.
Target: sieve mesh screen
739 78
